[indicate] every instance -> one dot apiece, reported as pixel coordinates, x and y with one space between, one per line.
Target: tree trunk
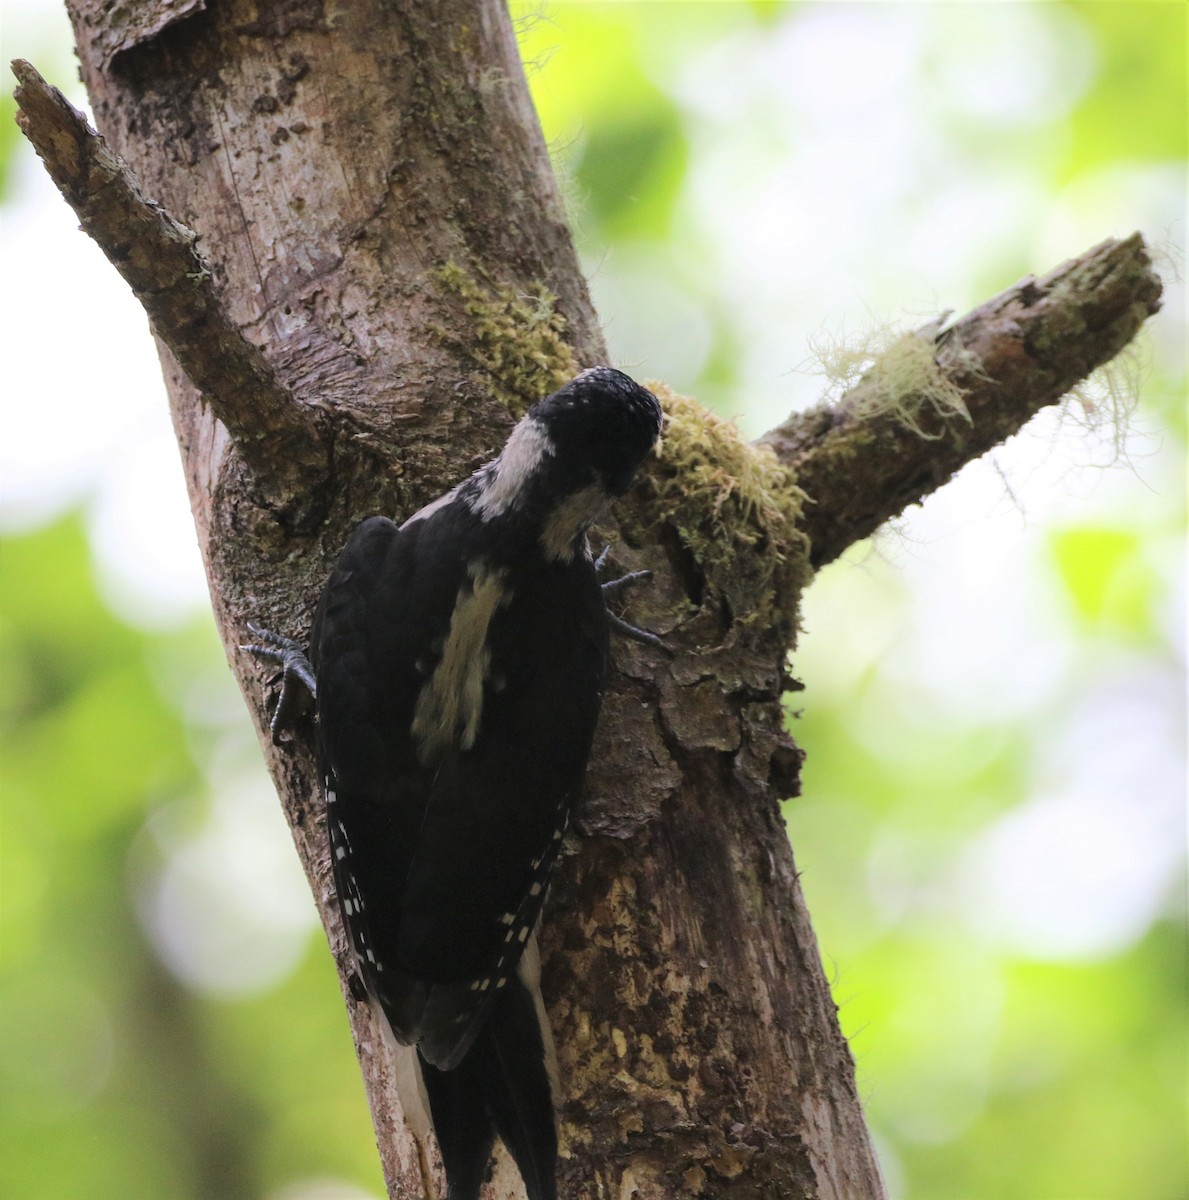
382 281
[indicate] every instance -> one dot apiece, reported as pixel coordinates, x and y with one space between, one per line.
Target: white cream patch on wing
569 519
450 705
524 452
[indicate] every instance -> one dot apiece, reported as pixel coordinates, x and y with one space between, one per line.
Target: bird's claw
296 673
612 587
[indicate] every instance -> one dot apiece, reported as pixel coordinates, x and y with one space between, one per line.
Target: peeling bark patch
131 23
701 717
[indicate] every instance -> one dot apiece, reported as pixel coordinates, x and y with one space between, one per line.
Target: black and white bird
458 663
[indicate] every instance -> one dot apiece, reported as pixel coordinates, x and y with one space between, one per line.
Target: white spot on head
535 890
340 852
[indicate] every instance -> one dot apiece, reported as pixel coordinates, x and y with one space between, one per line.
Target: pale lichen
516 337
1104 403
888 371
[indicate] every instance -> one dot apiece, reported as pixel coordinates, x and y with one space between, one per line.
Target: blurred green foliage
994 1063
1135 109
119 1079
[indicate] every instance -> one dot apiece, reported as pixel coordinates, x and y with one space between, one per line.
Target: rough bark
388 262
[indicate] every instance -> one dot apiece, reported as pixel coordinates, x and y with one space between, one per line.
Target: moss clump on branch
735 508
516 337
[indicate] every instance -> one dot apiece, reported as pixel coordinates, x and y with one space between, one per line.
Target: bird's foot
296 673
612 587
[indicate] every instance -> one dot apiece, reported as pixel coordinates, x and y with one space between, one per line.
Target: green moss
736 509
517 337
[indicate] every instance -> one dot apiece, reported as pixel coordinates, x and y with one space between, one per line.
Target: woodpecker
457 663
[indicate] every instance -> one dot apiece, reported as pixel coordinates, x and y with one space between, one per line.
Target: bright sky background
85 416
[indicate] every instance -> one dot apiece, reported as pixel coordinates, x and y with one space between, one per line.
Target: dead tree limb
159 259
860 462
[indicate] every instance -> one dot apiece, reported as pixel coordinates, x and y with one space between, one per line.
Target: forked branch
158 258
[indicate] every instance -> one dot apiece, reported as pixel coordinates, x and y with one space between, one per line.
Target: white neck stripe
527 448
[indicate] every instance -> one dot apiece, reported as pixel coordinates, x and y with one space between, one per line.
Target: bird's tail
506 1085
